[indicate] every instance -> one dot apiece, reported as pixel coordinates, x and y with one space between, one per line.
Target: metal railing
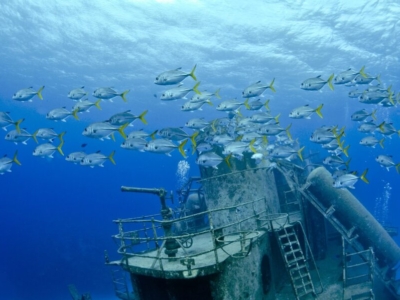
148 239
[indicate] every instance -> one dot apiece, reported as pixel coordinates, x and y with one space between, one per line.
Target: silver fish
229 105
109 93
205 96
6 163
286 152
126 117
85 105
61 114
97 159
22 137
197 123
27 94
164 146
134 144
174 76
5 121
47 150
77 94
209 159
371 141
348 180
359 79
141 134
361 115
348 75
178 92
304 112
75 157
257 105
256 89
355 94
192 106
103 130
316 83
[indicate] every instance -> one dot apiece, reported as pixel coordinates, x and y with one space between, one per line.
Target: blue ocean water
56 217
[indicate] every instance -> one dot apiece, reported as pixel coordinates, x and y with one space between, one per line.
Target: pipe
350 212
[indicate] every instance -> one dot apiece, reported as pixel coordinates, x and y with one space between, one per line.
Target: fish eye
95 130
309 84
156 78
204 161
163 95
156 147
90 161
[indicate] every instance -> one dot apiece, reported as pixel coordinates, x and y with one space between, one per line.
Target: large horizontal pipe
350 212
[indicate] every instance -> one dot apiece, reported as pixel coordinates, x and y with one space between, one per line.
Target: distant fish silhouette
83 145
155 95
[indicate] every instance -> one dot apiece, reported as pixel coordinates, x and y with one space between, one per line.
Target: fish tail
226 159
17 125
378 78
380 126
346 150
299 153
266 104
318 111
362 73
363 176
330 82
60 136
39 93
193 138
271 85
141 117
252 147
15 159
398 133
180 148
246 103
347 163
239 113
195 88
75 114
112 136
209 102
123 95
60 146
121 130
153 135
373 116
111 157
239 138
277 118
34 136
265 140
391 98
288 132
192 73
397 166
398 97
217 94
213 125
381 142
97 103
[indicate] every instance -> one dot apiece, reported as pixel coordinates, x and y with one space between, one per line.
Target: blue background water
55 217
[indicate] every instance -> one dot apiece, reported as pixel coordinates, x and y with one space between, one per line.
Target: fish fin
271 85
246 103
362 73
277 118
345 150
397 168
217 94
299 153
380 126
121 129
39 93
381 142
193 138
373 116
112 136
34 136
363 176
111 157
123 95
252 147
288 132
153 135
330 82
141 117
17 125
180 147
195 88
318 111
226 159
209 103
15 159
60 136
97 103
192 73
61 144
266 104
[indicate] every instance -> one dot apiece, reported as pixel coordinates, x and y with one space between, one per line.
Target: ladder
120 285
295 262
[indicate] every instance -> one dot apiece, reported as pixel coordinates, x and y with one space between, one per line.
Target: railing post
213 240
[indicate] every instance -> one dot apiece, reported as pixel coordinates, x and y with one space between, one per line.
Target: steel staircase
295 262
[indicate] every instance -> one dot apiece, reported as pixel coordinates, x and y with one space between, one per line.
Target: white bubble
381 210
182 173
